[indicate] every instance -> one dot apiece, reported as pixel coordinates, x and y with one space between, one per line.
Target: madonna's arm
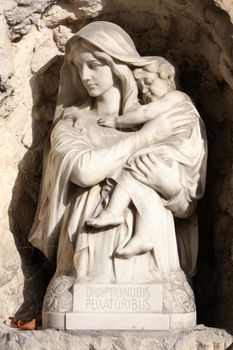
93 166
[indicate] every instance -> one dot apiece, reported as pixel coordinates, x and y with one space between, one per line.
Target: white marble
114 321
109 196
119 321
102 298
56 320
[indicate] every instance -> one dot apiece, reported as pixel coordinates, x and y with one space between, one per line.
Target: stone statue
127 154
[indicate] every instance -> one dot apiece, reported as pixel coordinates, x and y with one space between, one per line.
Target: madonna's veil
107 37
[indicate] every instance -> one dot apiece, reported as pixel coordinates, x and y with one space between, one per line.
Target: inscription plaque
118 298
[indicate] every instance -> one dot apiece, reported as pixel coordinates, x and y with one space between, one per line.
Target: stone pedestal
123 307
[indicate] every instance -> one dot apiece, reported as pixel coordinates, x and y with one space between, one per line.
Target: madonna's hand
160 174
171 123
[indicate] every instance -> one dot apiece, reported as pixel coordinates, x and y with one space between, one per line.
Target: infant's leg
140 243
113 215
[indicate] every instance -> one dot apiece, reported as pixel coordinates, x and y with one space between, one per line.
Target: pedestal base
127 321
123 307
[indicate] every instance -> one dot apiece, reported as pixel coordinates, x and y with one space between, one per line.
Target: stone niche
197 37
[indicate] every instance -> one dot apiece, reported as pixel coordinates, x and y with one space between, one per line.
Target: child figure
157 85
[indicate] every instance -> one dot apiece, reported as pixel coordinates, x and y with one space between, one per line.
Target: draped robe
59 229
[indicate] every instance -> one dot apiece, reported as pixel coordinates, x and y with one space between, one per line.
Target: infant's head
155 79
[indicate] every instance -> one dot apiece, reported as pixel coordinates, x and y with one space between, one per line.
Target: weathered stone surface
7 5
193 339
6 61
72 11
45 55
10 266
21 129
61 35
59 15
24 15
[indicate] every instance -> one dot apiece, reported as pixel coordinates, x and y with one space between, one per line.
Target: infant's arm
143 113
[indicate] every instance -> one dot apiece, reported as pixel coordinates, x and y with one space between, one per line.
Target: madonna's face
95 74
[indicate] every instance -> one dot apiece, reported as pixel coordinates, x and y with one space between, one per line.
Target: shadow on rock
36 268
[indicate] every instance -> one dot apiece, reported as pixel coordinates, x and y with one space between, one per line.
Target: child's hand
107 121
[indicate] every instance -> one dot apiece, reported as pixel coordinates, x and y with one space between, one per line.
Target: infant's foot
134 247
106 218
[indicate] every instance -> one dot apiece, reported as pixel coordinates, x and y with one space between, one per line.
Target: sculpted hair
161 66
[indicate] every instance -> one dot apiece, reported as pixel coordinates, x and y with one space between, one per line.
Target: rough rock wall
198 338
197 36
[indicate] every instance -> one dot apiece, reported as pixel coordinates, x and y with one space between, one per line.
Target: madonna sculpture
127 154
